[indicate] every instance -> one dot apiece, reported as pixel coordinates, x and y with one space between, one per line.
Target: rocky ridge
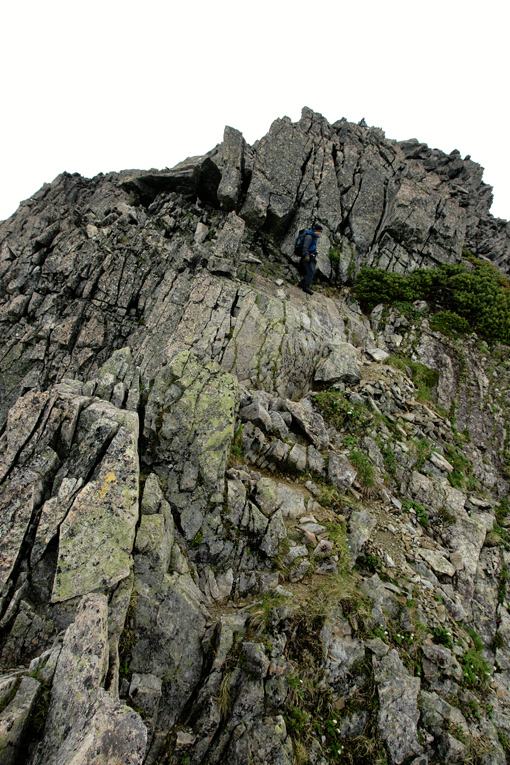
235 522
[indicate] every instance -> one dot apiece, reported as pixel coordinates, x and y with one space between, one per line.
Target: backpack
300 240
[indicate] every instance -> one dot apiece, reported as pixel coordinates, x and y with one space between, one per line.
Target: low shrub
450 323
465 300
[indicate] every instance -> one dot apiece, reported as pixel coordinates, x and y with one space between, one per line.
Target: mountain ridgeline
240 524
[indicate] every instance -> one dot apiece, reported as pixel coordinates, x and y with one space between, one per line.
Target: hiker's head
318 229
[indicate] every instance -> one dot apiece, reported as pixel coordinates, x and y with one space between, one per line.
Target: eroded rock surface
229 520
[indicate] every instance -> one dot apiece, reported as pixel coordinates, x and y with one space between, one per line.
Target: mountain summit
240 524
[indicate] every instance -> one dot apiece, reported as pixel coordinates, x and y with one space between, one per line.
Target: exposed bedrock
236 525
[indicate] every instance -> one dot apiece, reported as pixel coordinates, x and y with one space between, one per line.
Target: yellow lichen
108 480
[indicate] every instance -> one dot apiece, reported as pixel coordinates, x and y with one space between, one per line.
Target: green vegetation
197 539
334 256
475 667
502 510
365 468
423 450
464 300
502 584
500 537
462 473
330 497
309 710
337 534
423 377
498 641
372 563
40 709
237 444
450 323
504 740
420 511
389 458
447 518
340 413
443 636
128 637
9 696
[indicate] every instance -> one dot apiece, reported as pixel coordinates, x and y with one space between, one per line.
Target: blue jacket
310 243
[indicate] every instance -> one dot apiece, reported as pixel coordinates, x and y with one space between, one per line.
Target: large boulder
340 366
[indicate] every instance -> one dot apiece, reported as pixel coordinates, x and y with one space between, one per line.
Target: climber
308 260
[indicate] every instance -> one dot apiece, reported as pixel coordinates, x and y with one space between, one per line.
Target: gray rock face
398 713
387 197
177 514
361 525
342 652
340 366
311 422
340 471
15 718
84 721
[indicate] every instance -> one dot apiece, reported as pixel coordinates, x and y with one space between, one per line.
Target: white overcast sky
107 85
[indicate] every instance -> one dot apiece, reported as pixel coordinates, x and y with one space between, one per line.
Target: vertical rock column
85 723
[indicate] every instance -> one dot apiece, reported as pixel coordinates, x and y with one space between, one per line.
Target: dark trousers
308 269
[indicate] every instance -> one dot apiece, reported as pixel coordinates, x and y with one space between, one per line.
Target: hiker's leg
310 273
